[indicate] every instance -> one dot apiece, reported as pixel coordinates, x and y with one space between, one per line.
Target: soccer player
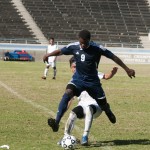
87 55
87 107
51 60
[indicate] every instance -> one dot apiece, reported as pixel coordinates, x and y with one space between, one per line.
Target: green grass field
26 102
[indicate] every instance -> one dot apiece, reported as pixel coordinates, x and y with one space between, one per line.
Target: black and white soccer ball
68 142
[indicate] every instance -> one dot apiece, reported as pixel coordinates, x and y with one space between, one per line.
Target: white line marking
26 100
5 146
35 105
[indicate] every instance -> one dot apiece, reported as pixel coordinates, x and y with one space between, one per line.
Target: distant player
51 60
87 107
87 55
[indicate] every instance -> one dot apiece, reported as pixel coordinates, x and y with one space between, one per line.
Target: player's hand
131 73
45 58
114 70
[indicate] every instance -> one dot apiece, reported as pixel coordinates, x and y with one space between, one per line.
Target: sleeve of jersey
66 51
100 75
106 52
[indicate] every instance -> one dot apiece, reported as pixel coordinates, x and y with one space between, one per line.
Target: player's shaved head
85 34
84 38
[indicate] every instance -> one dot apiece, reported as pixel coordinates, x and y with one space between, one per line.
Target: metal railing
104 43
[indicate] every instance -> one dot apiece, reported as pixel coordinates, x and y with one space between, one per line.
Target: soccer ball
68 142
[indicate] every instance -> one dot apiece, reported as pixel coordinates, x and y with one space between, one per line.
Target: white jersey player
51 60
87 107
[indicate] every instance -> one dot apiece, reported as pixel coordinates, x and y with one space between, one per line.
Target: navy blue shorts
94 88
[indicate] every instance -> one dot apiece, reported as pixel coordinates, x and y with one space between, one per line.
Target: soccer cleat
54 78
84 141
109 114
44 78
52 123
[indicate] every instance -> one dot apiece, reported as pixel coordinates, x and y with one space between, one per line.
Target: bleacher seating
12 26
109 21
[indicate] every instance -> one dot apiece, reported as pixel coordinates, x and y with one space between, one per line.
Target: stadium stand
113 21
12 26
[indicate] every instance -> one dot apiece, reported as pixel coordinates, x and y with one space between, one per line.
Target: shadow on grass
119 142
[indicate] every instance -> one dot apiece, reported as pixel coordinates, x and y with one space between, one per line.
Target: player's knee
102 102
79 112
89 110
93 107
73 89
69 92
54 68
72 115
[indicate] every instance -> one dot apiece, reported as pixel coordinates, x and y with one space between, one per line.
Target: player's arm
130 72
109 54
69 103
54 53
107 76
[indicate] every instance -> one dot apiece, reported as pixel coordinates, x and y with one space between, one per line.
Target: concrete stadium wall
133 56
128 55
37 51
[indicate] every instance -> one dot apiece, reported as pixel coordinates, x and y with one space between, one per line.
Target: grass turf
26 101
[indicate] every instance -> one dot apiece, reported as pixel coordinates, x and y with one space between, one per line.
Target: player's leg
92 111
68 95
77 112
46 71
108 111
54 70
98 94
89 112
70 123
54 73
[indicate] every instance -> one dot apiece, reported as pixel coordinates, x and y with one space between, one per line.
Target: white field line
35 105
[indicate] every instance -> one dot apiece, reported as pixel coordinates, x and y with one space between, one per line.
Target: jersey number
82 57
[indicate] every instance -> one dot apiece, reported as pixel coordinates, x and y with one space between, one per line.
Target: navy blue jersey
87 60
